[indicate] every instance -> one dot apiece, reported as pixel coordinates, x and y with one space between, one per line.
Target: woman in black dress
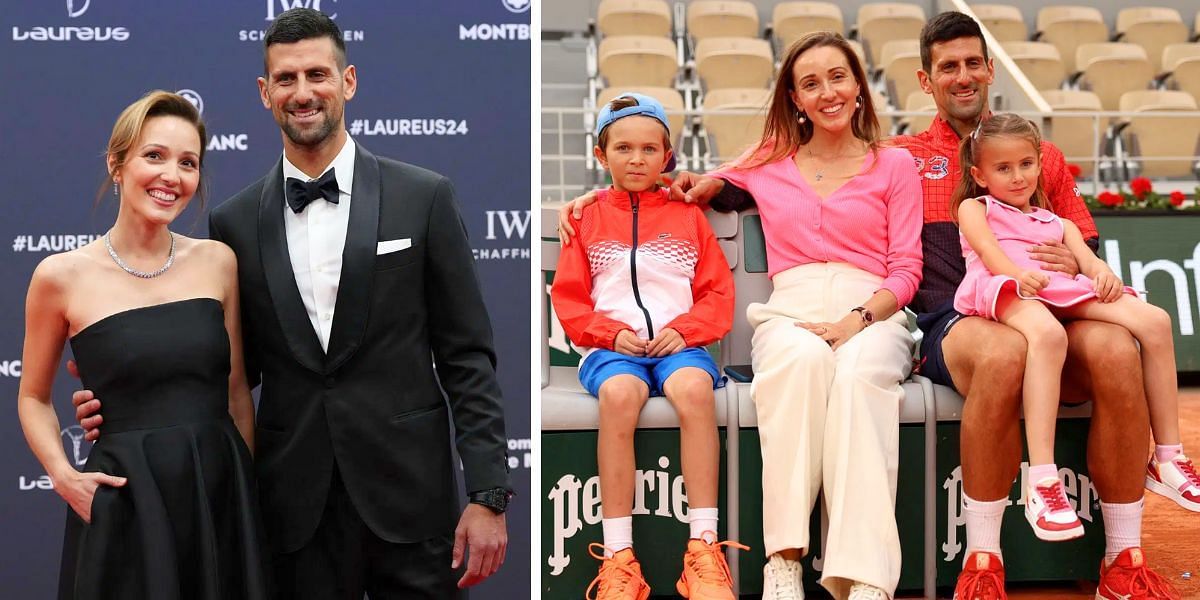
166 507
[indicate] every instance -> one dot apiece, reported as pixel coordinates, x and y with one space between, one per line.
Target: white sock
983 525
1164 453
703 524
618 534
1122 528
1039 472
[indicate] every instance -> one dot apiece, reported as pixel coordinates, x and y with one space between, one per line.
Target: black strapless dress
186 524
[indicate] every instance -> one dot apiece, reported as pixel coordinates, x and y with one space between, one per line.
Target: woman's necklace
819 172
132 271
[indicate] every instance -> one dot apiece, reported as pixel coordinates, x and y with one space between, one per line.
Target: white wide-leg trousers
830 419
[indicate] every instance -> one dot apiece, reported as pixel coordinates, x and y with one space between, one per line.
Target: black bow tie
300 193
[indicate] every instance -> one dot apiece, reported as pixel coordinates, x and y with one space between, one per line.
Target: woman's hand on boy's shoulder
695 189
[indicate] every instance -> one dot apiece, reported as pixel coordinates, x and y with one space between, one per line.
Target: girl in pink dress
1002 212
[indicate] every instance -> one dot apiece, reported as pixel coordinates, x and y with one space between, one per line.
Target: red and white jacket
642 262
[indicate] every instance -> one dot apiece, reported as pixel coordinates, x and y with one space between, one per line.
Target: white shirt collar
343 165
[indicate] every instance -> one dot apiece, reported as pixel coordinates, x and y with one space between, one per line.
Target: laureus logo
75 12
193 97
517 6
73 443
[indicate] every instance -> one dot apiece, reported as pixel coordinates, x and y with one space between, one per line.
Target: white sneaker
866 591
1176 479
1049 512
781 579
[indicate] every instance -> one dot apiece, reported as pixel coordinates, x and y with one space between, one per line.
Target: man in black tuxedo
360 304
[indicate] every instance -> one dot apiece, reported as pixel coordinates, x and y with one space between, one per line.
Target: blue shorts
934 326
600 365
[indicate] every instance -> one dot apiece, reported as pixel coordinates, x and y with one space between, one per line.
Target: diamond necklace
132 271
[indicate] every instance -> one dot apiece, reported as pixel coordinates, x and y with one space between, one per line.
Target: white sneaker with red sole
1176 479
1049 512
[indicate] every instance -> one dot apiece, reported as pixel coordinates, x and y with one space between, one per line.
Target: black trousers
344 560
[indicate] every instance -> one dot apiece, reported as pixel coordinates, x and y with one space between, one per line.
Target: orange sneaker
1128 578
620 576
705 573
982 578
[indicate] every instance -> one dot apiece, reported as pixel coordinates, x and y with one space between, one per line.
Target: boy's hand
1032 282
629 344
667 342
1108 286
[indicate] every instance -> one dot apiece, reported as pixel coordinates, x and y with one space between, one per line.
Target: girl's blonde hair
998 125
125 132
783 134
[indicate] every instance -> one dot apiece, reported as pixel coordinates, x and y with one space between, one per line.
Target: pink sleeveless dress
1017 231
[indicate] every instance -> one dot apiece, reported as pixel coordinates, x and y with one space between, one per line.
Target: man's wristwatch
495 499
865 313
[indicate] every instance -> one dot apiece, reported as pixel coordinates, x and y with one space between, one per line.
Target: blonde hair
782 133
129 124
998 125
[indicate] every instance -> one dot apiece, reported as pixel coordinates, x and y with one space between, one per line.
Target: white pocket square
393 246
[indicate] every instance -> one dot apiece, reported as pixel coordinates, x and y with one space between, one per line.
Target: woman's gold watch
865 313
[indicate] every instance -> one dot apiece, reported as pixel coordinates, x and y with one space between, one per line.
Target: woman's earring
858 103
800 118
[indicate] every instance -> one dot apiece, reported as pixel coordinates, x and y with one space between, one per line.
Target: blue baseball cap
645 106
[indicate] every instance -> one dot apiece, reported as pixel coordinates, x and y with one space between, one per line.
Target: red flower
1074 169
1110 199
1177 198
1141 186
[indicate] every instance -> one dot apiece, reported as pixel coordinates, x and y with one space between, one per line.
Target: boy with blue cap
640 294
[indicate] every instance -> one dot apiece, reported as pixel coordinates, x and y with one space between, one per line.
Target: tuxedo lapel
281 281
358 262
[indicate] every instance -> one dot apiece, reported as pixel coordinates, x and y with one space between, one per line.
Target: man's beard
309 137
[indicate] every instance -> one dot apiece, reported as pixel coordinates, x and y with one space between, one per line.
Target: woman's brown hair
783 134
998 125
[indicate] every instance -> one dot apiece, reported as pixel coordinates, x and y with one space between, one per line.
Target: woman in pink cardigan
842 218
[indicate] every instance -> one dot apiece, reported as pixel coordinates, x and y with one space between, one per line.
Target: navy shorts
600 365
934 326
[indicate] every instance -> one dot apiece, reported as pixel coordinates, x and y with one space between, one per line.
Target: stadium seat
1113 68
722 18
1076 136
634 17
1004 21
862 54
1040 62
734 62
731 134
919 101
900 61
671 99
1150 137
791 20
1069 26
1151 28
882 22
882 111
632 60
1182 62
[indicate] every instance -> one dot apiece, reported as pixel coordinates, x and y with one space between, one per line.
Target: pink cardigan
872 222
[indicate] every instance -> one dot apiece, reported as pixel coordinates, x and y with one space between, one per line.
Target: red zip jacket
642 262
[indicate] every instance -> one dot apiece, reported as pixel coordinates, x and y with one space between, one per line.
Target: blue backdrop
444 85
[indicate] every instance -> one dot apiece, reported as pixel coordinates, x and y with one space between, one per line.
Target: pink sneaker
1049 512
1176 479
